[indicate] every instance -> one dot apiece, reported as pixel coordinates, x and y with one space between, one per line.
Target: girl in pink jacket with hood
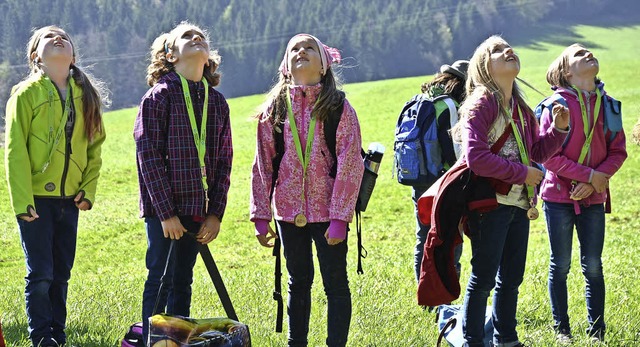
309 203
575 187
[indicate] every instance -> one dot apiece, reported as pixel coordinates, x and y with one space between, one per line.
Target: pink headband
328 55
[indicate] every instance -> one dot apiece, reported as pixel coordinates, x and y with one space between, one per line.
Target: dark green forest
379 39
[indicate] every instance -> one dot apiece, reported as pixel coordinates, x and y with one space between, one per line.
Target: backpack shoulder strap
548 103
330 131
612 116
444 102
278 137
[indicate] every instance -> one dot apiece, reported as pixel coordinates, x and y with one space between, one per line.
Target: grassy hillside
106 287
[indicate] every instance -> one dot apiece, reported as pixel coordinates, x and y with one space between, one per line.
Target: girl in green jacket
54 133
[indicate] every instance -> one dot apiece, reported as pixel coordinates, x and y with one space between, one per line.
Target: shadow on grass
559 28
15 334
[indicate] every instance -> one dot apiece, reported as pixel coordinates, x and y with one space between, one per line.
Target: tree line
378 39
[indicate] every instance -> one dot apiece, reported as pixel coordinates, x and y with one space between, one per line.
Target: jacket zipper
67 150
50 116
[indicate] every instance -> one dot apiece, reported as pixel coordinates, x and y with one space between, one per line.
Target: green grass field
106 286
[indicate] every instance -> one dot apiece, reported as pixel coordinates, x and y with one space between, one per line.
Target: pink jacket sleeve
349 167
262 172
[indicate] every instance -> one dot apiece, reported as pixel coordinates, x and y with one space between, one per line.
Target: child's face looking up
304 60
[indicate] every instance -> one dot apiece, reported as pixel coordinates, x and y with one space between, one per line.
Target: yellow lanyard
588 134
524 156
304 160
199 137
63 122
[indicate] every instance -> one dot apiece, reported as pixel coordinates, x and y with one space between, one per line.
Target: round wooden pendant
533 213
300 220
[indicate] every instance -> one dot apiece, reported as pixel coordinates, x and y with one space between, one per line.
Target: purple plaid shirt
167 159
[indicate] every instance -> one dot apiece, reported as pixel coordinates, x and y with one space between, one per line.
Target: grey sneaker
564 338
597 338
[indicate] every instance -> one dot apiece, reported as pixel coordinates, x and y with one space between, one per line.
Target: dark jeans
296 243
499 250
590 227
49 245
176 292
421 236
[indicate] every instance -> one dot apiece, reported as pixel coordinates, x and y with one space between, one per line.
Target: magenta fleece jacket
605 154
477 149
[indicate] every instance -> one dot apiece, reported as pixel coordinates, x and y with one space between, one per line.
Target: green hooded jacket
33 116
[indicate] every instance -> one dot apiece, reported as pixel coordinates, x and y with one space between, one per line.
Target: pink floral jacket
326 199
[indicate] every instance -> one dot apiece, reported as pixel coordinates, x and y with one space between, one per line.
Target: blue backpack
418 159
612 112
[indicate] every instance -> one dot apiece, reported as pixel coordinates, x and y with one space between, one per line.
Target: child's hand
80 203
332 240
534 176
560 116
208 230
581 191
32 215
600 181
265 239
172 228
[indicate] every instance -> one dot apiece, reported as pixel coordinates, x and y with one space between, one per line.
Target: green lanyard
199 138
63 122
524 156
296 139
588 134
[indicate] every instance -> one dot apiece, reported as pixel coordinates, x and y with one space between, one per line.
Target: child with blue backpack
575 188
449 81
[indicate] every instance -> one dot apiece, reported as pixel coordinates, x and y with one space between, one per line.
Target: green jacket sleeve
94 163
17 164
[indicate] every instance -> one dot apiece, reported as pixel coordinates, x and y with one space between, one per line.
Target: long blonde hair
94 92
160 66
480 83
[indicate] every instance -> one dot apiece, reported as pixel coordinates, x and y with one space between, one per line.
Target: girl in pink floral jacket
307 202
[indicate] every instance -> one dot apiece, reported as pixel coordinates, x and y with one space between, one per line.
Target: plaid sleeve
151 141
219 188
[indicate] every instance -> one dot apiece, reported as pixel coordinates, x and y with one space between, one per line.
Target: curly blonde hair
160 66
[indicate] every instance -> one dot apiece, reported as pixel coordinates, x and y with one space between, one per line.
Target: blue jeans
590 227
499 250
421 236
176 292
296 243
49 245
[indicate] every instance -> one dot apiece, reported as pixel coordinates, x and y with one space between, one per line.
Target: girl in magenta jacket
575 187
495 104
308 205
